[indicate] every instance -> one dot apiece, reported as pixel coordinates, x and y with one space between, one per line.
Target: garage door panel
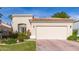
51 32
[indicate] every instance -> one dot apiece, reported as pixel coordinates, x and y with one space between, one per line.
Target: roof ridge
22 15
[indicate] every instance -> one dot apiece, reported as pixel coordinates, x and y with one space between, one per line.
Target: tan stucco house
43 28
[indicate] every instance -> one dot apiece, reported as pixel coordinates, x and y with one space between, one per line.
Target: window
21 27
70 26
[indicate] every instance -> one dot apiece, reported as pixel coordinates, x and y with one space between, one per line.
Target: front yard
23 46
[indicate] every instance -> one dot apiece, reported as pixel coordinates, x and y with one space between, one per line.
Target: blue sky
41 12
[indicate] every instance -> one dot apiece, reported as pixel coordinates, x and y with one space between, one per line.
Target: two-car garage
51 32
52 28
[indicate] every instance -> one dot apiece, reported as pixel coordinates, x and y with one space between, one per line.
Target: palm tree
10 16
0 34
1 15
0 29
60 15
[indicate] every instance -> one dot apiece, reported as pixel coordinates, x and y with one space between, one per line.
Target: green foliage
1 31
70 38
14 35
10 16
26 46
75 32
78 38
1 13
60 15
1 34
9 41
2 41
28 34
73 36
21 37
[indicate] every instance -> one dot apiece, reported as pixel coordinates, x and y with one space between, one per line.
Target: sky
40 12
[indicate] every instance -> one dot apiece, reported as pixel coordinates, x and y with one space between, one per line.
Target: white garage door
51 33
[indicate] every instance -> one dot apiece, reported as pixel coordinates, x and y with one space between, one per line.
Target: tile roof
52 20
5 25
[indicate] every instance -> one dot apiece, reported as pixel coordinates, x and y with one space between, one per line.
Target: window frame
19 30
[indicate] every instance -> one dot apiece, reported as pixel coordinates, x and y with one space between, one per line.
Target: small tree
28 34
21 37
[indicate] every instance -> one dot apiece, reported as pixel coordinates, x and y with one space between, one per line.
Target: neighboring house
4 29
76 26
43 28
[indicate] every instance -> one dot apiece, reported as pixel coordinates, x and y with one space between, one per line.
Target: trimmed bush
21 37
75 32
70 38
28 34
78 38
14 35
73 36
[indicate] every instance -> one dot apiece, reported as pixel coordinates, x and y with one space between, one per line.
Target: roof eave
22 15
52 21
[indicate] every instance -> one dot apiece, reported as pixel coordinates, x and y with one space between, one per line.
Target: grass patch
24 46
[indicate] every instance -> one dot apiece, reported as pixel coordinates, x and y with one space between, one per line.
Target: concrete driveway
56 45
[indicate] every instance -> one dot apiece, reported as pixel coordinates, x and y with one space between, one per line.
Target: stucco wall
76 25
69 27
18 20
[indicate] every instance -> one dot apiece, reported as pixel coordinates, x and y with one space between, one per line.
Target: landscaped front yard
23 46
19 41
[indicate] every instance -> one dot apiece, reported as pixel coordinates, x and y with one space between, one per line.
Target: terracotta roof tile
53 19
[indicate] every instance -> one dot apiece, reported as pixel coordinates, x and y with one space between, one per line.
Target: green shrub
73 36
1 31
75 32
3 40
21 37
78 38
14 35
10 41
28 34
70 38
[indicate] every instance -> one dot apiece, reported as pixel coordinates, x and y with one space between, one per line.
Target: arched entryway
22 27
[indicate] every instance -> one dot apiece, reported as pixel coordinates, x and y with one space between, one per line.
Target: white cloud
76 17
